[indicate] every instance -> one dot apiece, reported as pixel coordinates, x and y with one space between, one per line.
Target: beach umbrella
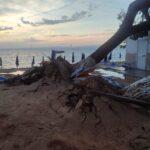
1 62
17 61
110 56
83 56
53 55
43 59
73 58
33 61
120 56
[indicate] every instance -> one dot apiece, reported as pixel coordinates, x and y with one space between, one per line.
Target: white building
138 53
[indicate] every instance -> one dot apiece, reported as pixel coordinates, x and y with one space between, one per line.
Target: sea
25 55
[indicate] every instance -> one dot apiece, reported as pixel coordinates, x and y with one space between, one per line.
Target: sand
35 117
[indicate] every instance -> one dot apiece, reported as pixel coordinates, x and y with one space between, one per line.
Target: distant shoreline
12 70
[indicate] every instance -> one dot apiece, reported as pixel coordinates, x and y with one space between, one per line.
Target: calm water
25 55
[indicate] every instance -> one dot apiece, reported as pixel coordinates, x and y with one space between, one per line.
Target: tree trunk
104 50
126 29
107 47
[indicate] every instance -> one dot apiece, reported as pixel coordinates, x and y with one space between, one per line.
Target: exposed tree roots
81 98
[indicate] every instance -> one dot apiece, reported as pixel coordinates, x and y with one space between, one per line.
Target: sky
44 23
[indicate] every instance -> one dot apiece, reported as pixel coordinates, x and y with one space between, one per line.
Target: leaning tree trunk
60 69
126 29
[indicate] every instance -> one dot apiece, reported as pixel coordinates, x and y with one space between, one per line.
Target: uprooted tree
61 69
83 93
126 29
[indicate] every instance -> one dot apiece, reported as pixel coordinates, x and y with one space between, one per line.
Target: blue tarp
2 78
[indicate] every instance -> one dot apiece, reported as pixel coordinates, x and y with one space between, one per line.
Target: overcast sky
34 23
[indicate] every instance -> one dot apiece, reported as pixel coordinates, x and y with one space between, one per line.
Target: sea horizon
26 54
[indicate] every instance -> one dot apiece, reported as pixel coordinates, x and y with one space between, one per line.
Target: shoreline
12 70
8 73
115 72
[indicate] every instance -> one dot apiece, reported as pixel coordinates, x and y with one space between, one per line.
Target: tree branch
145 12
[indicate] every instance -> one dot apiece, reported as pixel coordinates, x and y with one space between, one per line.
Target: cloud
64 19
19 25
75 17
27 22
60 35
73 35
92 6
7 10
32 39
31 6
5 28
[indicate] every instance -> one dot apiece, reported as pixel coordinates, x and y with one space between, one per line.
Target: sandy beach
37 117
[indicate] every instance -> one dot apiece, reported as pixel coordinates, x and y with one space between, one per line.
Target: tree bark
113 42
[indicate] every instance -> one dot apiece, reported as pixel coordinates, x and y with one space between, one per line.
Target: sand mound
49 115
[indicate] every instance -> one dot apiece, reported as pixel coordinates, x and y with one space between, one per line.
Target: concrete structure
138 53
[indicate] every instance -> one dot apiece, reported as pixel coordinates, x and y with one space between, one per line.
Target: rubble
56 70
139 89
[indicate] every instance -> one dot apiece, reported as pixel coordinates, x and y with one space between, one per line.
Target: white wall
135 50
149 44
132 45
131 50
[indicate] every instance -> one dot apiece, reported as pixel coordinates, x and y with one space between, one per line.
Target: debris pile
56 70
60 70
69 115
139 89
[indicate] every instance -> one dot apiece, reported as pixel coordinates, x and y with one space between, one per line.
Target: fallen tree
126 29
60 69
